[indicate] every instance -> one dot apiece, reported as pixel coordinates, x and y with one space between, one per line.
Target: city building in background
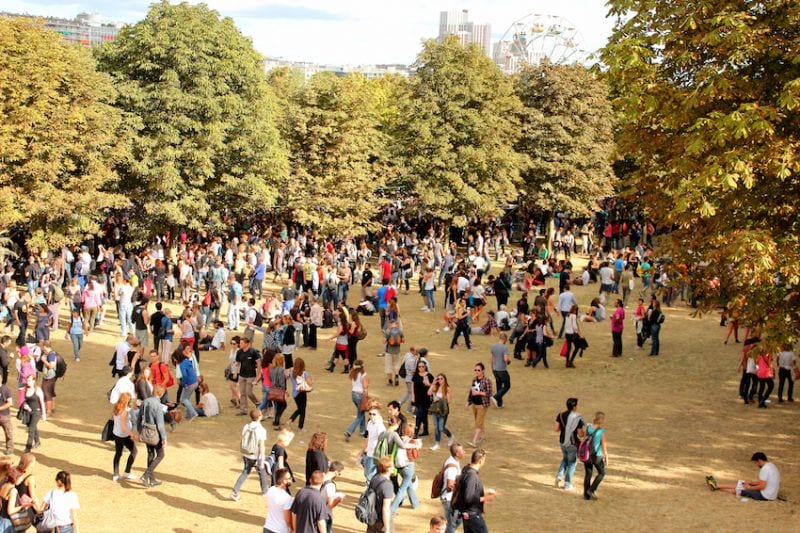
457 23
309 69
85 30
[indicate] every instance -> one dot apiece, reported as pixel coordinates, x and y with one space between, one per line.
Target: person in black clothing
310 511
5 342
469 496
249 367
155 325
522 305
315 455
501 288
382 487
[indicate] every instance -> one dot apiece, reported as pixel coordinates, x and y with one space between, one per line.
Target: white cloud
349 31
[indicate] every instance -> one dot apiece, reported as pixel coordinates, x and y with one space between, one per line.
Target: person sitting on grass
765 489
489 328
596 313
217 341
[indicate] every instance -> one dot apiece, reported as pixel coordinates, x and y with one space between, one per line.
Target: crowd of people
218 286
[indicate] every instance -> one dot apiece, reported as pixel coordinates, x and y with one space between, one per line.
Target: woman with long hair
316 458
353 336
232 372
277 377
63 503
301 385
266 363
42 323
359 385
123 436
23 479
439 391
33 404
144 384
341 337
420 385
572 332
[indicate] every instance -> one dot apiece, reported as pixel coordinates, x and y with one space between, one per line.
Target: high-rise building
84 30
457 23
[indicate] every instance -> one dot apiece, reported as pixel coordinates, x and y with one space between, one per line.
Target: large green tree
461 126
567 138
708 93
60 138
338 153
207 146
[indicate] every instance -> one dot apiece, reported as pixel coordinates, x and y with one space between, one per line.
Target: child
217 342
208 406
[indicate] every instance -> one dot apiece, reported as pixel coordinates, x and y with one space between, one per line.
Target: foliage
60 138
338 154
567 138
708 93
207 146
459 132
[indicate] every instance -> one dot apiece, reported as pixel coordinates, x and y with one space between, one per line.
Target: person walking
394 339
249 360
450 471
33 405
462 318
278 394
359 389
75 333
440 394
766 378
375 427
6 400
316 456
405 466
569 424
655 318
63 504
420 385
617 325
123 436
598 456
381 485
254 441
471 496
572 332
565 302
309 509
279 504
500 362
189 382
478 400
787 364
301 385
151 412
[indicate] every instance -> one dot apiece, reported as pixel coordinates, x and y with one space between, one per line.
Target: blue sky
349 32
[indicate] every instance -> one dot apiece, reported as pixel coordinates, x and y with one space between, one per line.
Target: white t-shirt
769 473
450 474
62 503
373 432
124 293
211 406
358 383
278 501
261 433
786 360
462 284
219 338
606 275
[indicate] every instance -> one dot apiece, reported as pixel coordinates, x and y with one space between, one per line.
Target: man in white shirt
375 427
124 384
565 302
125 295
452 468
786 365
279 504
606 281
256 459
121 355
249 319
765 489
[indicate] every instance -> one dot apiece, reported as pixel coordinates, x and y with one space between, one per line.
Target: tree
60 138
461 126
207 146
708 94
567 138
338 154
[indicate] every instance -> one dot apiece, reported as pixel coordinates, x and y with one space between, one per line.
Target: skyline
365 32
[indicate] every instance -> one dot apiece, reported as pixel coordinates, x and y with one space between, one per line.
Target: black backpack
258 321
367 511
61 366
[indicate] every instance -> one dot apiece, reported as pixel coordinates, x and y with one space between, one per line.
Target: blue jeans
125 319
429 299
568 463
655 329
368 463
264 400
439 423
359 421
186 400
342 290
407 473
453 519
77 342
249 464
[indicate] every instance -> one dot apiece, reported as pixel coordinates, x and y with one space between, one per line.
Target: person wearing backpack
394 339
254 439
469 496
375 427
569 424
444 483
598 456
374 506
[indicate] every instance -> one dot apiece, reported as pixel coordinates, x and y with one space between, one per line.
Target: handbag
548 341
149 434
364 404
276 394
302 385
24 416
440 407
107 432
22 520
46 521
564 349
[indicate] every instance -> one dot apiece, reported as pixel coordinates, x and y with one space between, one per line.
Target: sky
347 32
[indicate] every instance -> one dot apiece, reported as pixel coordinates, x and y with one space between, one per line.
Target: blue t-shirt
188 375
381 293
619 265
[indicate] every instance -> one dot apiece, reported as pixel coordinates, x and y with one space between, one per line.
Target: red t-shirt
386 270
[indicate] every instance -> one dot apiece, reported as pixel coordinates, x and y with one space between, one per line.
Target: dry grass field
670 421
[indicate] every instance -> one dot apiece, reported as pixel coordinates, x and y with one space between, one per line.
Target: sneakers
235 497
569 486
435 447
115 477
154 482
346 436
145 479
711 482
129 477
557 483
451 440
494 401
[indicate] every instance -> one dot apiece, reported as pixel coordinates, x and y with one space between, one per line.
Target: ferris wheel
535 38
